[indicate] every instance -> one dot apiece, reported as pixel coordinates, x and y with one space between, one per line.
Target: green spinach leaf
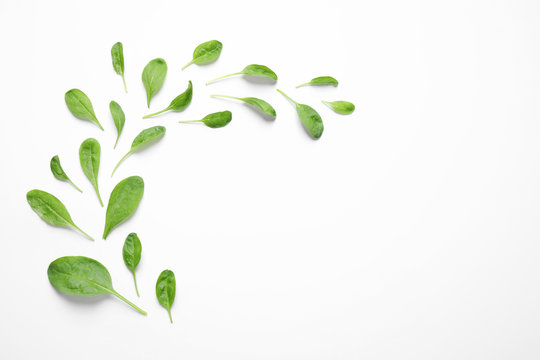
260 104
153 77
59 173
341 107
214 120
89 157
82 276
321 81
117 53
123 202
166 290
179 103
80 106
251 70
310 118
119 119
206 53
51 210
131 252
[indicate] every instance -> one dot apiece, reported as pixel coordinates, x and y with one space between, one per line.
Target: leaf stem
156 113
170 317
282 93
304 84
223 77
185 66
116 142
135 281
98 124
226 96
128 302
124 80
82 232
189 121
122 159
98 196
76 187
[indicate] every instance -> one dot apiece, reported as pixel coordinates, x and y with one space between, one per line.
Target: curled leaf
206 53
119 119
310 118
89 157
166 290
59 172
251 70
214 120
260 104
341 107
179 103
117 54
321 81
131 252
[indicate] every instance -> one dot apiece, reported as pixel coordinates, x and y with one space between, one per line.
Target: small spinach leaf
89 157
166 290
119 119
321 81
206 53
80 106
82 276
179 103
131 252
117 53
260 104
51 210
251 70
123 202
214 120
59 173
153 77
341 107
310 118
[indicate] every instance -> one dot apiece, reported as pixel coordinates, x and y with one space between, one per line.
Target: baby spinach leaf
119 119
123 202
260 104
321 81
51 210
310 118
179 103
117 53
80 106
145 138
153 77
89 157
59 173
131 252
82 276
341 107
166 290
214 120
206 53
251 70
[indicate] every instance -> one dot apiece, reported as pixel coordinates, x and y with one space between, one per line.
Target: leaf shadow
81 300
259 80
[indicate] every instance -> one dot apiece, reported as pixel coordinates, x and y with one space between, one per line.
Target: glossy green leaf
251 70
80 106
179 103
321 81
166 290
206 53
131 252
341 107
117 53
153 77
51 210
214 120
119 119
123 202
145 138
59 172
310 118
89 157
260 104
82 276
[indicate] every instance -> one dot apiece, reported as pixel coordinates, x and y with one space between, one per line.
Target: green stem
156 113
226 96
98 124
76 187
189 121
116 142
122 159
304 84
98 196
82 232
135 281
128 302
282 93
124 80
170 317
185 66
327 103
223 77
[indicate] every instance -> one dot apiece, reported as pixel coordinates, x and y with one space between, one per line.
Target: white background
408 231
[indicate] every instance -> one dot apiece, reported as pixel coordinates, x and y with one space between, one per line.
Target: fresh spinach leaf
89 157
131 252
321 81
341 107
214 120
145 138
82 276
310 118
123 202
179 103
166 290
251 70
59 173
206 53
153 77
260 104
119 119
51 210
80 106
117 53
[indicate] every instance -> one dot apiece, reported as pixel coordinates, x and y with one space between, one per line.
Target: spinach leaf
89 157
82 276
214 120
179 103
123 202
251 70
153 77
131 252
80 106
145 138
206 53
310 118
119 119
51 210
59 173
321 81
260 104
166 290
117 53
341 107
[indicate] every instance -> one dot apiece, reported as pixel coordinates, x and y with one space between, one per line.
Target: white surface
409 231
